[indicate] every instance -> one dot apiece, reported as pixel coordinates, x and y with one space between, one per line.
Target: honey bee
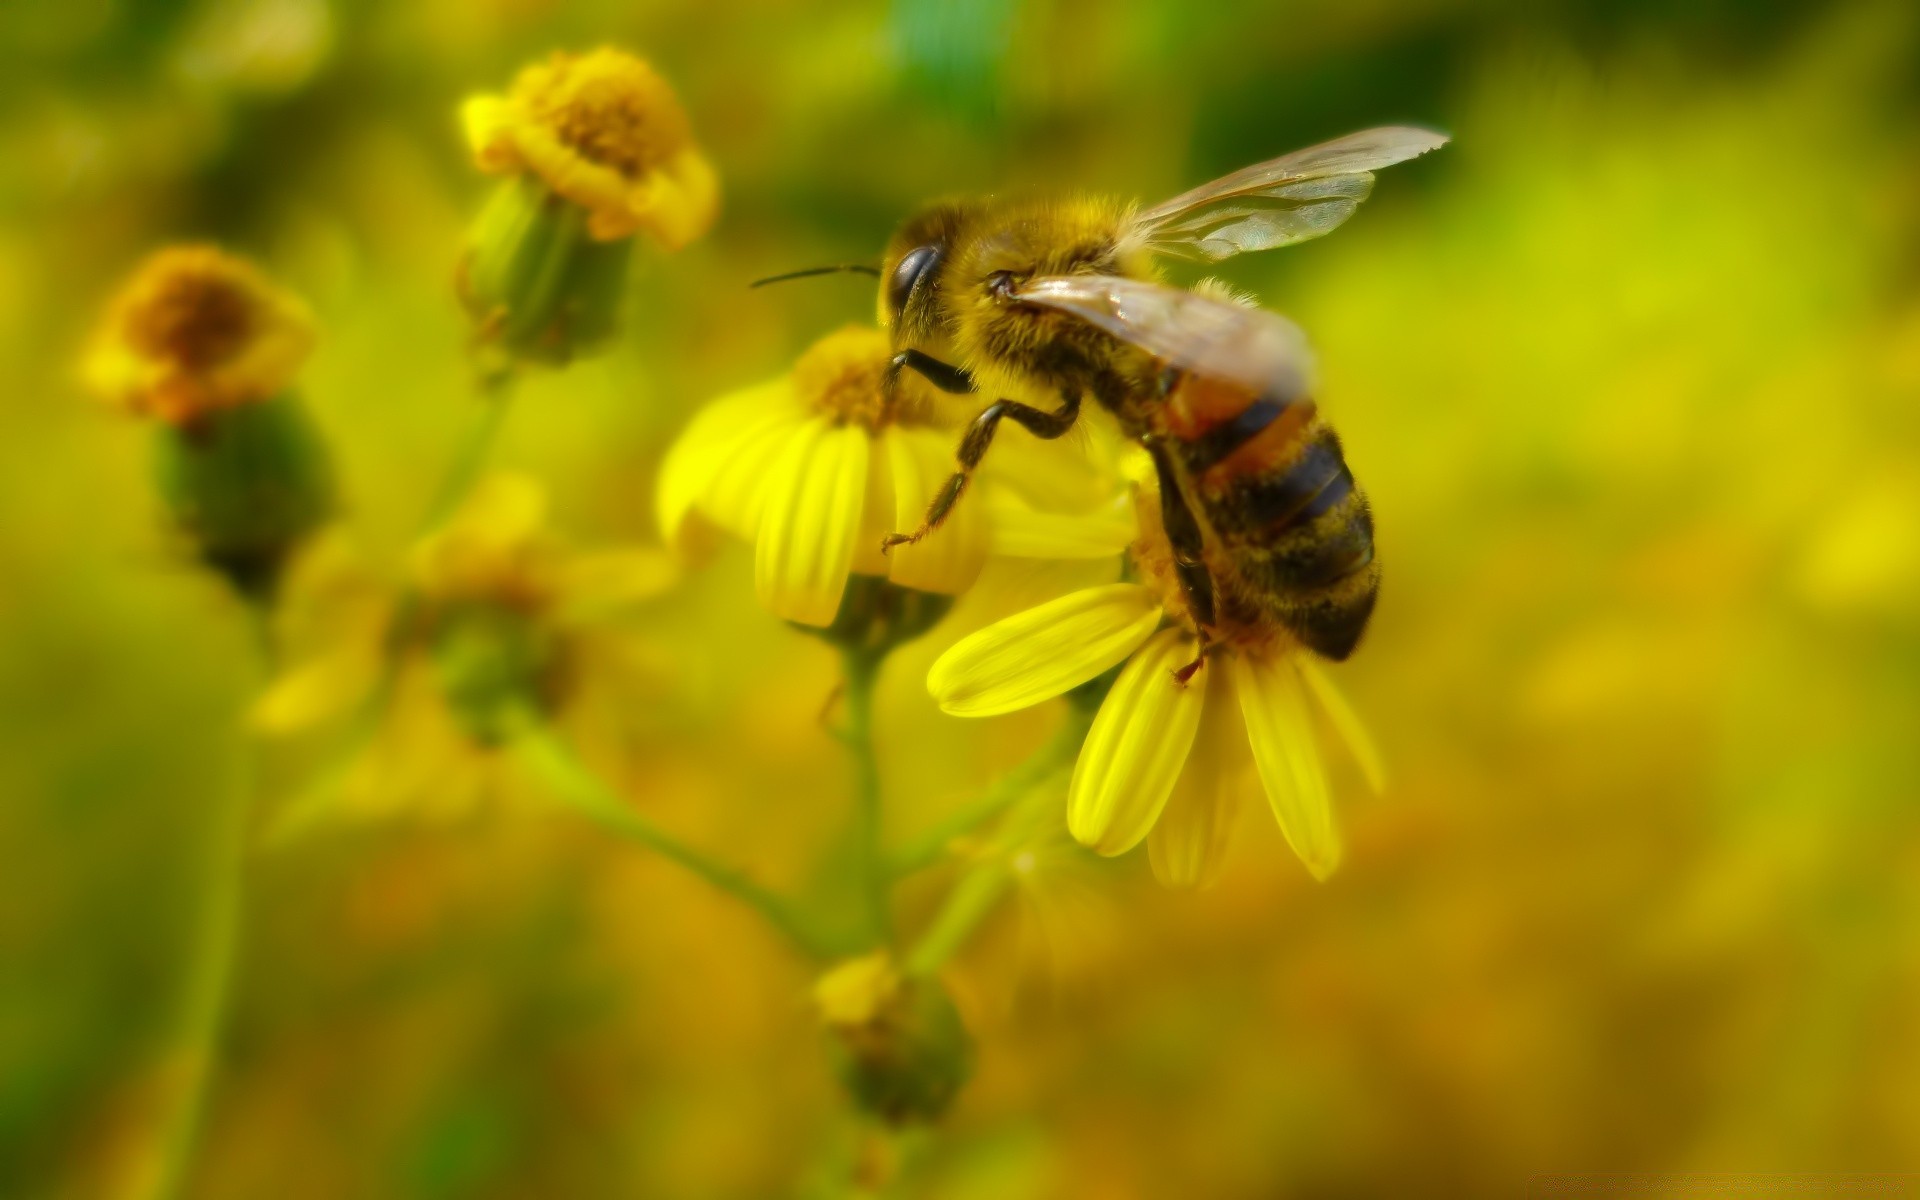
1061 298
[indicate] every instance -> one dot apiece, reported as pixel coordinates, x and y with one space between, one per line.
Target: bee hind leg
1189 559
973 447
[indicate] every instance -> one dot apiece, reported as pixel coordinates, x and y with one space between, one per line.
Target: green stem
862 668
214 948
967 905
979 891
548 756
930 846
495 387
209 984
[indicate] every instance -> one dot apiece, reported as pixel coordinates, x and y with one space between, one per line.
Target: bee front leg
973 447
945 376
1189 559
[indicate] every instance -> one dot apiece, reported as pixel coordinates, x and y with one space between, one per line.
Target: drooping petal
485 539
1280 730
1188 845
1135 750
1347 723
1020 530
949 559
1038 654
719 462
809 519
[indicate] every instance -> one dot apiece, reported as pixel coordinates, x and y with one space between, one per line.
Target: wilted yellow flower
197 331
501 629
1171 759
816 468
604 131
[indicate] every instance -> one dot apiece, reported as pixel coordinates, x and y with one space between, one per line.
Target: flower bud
247 485
200 342
594 150
900 1048
535 283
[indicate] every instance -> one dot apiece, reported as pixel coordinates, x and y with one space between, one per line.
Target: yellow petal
808 523
949 559
1189 842
876 517
676 203
485 538
1281 732
594 584
1136 748
1038 654
1347 723
719 462
1022 531
312 693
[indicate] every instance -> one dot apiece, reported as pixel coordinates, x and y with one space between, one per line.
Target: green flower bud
538 284
495 663
899 1046
247 484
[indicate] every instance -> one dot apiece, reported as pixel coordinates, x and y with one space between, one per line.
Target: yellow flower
607 133
816 468
1166 761
503 626
194 332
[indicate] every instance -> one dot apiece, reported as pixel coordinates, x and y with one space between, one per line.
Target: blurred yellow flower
501 628
606 132
816 468
196 331
1166 761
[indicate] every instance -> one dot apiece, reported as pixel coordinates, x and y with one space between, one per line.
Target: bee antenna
862 268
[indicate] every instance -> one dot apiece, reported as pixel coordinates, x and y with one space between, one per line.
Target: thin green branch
932 845
862 667
554 761
214 947
495 395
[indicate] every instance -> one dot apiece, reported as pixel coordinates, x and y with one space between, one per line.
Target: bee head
1008 248
910 274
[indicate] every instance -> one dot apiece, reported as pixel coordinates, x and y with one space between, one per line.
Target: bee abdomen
1302 534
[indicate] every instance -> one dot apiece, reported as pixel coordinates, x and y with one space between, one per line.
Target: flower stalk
861 665
549 757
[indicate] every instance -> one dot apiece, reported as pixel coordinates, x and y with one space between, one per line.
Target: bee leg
1189 559
973 447
945 376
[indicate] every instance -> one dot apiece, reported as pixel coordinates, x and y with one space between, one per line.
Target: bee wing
1259 350
1289 199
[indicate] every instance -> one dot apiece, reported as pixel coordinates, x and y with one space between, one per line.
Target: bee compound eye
906 276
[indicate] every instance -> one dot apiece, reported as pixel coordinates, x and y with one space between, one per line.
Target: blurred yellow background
1631 372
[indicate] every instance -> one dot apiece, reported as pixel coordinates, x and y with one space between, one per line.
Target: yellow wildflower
503 627
194 332
1164 760
604 131
816 468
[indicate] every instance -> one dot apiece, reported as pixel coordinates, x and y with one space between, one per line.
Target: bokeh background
1631 371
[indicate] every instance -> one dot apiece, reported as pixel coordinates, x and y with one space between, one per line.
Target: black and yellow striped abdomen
1271 484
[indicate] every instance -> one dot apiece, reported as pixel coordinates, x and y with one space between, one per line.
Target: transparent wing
1259 350
1289 199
